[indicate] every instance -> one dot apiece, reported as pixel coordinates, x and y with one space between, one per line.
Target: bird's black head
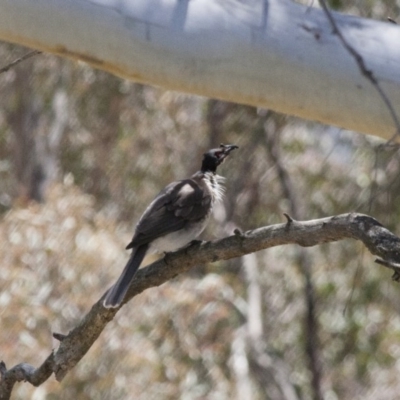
215 157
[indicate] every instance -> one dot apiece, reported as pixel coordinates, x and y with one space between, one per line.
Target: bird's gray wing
177 205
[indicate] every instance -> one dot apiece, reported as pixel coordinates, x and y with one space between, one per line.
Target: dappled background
81 155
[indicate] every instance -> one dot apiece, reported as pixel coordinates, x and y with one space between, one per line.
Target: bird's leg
166 256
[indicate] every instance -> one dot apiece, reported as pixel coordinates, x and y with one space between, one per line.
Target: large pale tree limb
268 53
76 343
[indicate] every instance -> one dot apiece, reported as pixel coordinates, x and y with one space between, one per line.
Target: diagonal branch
73 346
368 73
19 60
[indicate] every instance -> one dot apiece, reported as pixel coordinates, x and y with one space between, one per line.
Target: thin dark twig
59 336
374 183
304 260
363 68
19 60
374 189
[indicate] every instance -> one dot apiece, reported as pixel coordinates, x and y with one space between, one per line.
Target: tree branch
19 60
281 55
368 73
73 346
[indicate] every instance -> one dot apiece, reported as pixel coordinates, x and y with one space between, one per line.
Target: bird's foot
167 255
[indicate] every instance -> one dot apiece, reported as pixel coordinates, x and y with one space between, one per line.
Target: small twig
391 20
289 218
59 336
363 68
19 60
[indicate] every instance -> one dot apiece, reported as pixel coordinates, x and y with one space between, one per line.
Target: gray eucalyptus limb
75 344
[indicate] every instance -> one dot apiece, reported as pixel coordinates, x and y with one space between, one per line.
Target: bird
176 217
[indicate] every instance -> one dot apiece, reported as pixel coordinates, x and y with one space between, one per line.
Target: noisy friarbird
173 219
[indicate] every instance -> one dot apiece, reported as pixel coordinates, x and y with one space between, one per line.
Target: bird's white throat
215 184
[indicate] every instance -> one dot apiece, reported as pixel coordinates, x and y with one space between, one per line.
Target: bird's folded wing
179 204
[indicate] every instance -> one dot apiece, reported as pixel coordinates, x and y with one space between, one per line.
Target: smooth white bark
273 54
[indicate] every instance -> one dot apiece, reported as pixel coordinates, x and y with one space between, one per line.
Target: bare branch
363 68
74 345
19 60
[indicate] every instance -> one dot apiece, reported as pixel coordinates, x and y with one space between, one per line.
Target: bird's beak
227 148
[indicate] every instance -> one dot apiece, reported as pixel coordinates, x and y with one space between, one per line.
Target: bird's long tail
117 293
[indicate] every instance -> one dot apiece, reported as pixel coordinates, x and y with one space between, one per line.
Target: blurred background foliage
81 155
